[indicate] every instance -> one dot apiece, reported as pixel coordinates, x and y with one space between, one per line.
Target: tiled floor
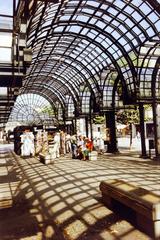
63 201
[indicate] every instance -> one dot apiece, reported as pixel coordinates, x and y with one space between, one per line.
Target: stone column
111 126
91 127
142 131
86 125
156 122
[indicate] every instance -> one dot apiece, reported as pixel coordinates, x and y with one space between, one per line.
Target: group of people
82 146
79 146
60 143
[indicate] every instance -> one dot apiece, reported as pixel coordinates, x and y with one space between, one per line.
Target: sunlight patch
75 229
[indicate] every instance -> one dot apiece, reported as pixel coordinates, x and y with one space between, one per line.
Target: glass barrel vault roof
74 41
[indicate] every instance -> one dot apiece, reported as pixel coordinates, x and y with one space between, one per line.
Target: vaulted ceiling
92 53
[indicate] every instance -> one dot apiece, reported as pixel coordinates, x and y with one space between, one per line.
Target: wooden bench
141 204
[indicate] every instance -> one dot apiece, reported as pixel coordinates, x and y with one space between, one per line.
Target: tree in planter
50 112
131 116
99 120
128 116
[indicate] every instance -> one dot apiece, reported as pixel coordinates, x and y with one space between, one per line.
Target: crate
93 155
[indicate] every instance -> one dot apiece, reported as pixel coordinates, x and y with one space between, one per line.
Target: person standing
62 143
56 142
68 143
100 145
74 146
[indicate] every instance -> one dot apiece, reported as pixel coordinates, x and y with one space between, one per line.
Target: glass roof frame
53 95
74 41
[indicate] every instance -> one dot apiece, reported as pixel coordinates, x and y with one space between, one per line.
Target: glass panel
3 91
6 23
137 16
153 17
6 7
146 8
129 10
5 39
5 54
